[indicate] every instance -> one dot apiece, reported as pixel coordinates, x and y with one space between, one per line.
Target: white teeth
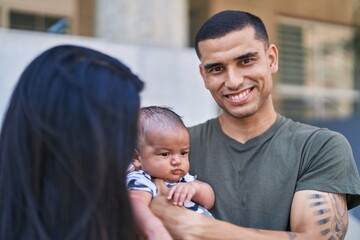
240 95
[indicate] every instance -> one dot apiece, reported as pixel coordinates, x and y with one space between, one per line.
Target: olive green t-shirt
255 182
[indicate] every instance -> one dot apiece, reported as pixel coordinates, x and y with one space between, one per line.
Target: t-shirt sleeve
139 180
328 165
188 178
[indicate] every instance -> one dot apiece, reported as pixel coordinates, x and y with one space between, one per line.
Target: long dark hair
67 138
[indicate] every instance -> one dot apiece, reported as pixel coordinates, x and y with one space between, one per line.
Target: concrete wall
353 232
171 76
161 23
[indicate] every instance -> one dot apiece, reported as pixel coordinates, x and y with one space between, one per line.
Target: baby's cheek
186 166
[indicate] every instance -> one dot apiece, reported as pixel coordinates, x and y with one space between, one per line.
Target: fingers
178 197
179 222
180 193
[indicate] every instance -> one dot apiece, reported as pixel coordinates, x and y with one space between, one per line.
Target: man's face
237 69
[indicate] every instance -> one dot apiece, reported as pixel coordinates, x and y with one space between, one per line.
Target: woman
66 141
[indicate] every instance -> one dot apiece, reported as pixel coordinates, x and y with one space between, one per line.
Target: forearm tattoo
330 214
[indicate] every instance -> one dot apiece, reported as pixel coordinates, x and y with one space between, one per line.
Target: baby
162 153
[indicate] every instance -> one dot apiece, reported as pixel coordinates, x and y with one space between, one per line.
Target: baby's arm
198 191
147 223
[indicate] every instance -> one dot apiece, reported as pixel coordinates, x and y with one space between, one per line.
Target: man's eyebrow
211 65
247 55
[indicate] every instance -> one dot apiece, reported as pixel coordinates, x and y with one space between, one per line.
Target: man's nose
234 78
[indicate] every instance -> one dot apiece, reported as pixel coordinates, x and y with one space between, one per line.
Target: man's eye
216 69
246 60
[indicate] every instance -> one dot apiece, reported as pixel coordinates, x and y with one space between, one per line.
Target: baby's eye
184 153
165 154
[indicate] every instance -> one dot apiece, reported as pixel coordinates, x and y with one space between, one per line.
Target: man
272 177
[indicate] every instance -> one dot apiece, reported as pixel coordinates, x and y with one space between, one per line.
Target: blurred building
318 76
73 16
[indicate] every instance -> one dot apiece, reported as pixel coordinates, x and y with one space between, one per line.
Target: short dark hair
228 21
67 138
157 117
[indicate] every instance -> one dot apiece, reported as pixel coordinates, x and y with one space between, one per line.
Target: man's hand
186 224
177 220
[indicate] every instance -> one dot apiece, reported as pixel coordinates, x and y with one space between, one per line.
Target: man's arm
319 215
314 215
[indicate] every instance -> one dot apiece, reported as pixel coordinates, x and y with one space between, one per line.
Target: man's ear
273 58
203 74
136 161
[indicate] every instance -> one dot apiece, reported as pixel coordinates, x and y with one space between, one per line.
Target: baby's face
164 153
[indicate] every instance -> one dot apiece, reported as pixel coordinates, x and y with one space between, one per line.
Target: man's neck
244 129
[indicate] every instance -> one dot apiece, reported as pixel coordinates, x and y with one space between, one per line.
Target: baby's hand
182 192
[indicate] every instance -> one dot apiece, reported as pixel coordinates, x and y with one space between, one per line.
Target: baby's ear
136 161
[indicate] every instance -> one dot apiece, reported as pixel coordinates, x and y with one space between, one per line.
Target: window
292 54
37 22
316 70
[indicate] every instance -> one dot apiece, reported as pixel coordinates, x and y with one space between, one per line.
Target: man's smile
239 96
